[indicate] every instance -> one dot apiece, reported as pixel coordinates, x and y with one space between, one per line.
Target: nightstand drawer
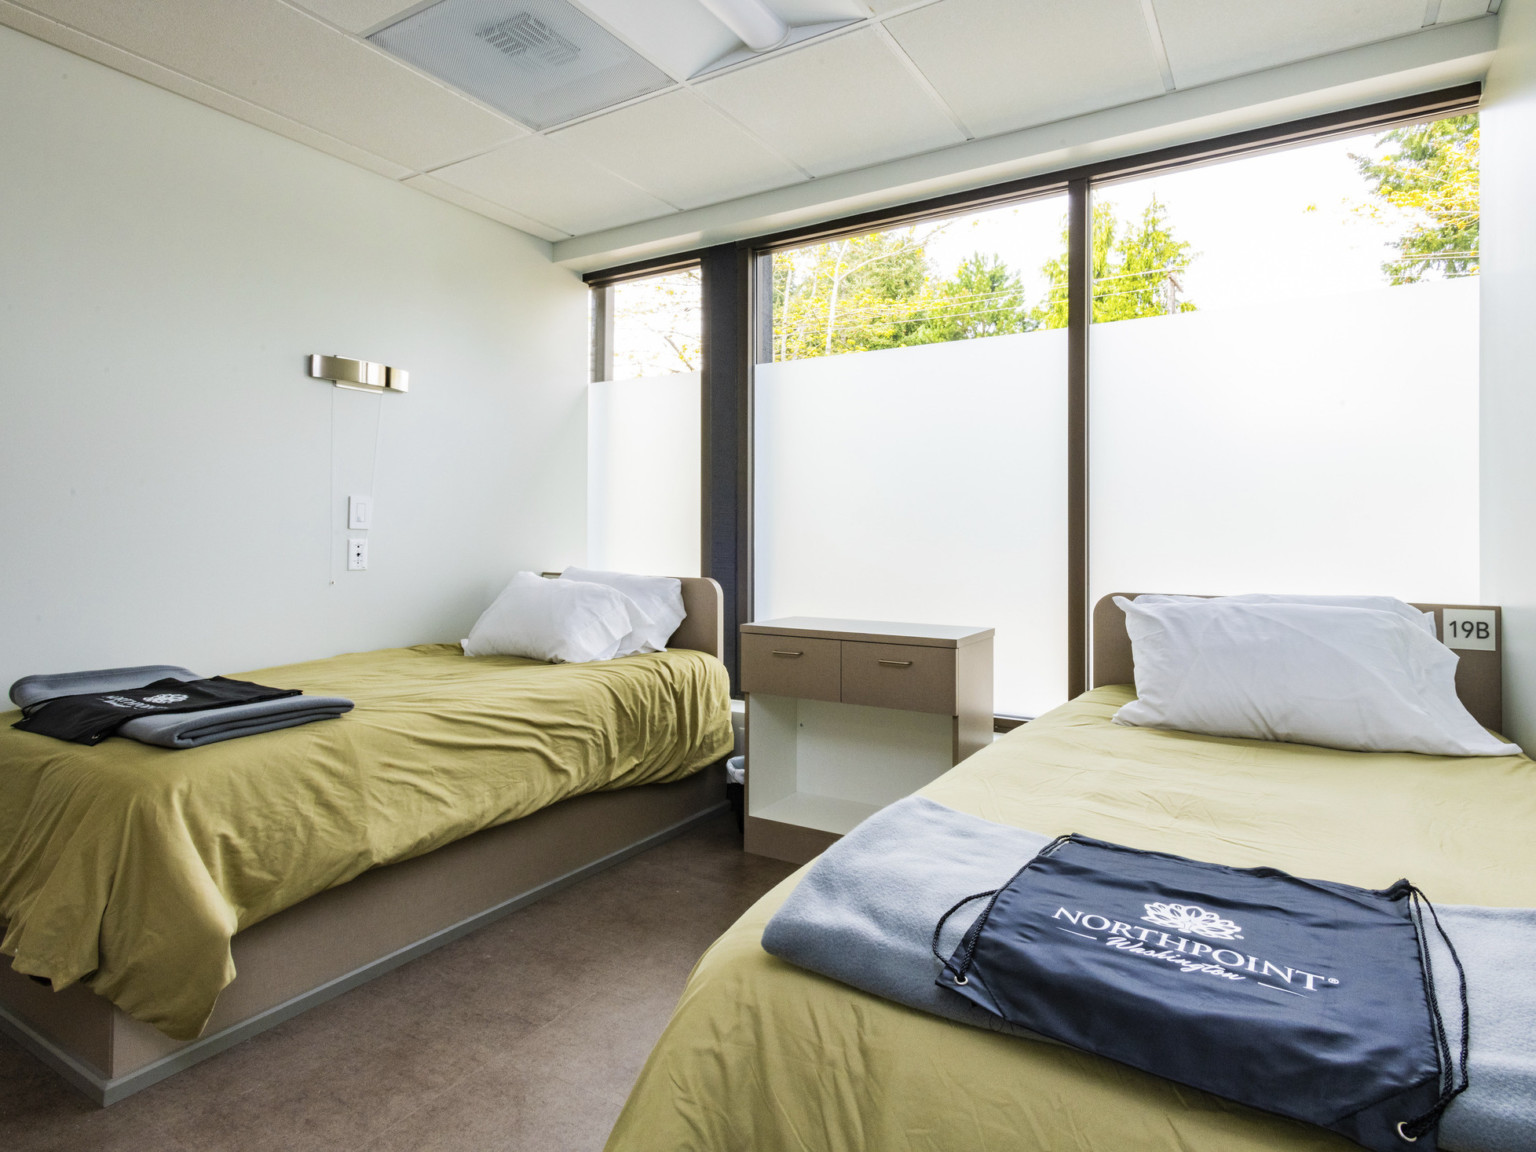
905 676
790 666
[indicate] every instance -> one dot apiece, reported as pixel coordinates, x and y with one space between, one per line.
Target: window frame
738 331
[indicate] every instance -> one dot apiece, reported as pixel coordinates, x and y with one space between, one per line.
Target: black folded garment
90 717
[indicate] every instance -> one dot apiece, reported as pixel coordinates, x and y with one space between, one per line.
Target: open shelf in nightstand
845 717
823 813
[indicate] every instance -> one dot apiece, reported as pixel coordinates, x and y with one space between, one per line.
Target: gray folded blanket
180 729
864 915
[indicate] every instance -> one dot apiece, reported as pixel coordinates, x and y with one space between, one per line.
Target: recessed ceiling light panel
540 61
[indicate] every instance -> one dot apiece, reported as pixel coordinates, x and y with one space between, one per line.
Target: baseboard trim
106 1092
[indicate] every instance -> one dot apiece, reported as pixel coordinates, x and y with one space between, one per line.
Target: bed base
348 935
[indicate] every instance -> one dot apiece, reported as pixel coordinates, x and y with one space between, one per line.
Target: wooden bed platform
347 935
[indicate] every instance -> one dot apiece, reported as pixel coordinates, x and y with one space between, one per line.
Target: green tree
1430 176
1138 269
851 295
983 298
879 291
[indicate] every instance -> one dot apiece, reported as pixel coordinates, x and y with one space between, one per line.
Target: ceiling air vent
527 40
542 62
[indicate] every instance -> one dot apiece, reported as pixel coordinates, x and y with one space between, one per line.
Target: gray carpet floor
525 1035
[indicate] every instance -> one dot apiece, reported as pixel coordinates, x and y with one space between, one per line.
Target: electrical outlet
360 512
357 553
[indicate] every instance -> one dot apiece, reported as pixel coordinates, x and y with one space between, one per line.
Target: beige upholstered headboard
703 629
1479 676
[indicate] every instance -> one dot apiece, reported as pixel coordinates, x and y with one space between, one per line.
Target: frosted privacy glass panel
1290 450
923 484
1284 373
643 475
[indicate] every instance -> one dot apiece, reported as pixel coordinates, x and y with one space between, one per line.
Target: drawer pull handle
896 663
779 652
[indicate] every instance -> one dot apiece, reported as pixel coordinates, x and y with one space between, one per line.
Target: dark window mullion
1079 317
602 334
726 432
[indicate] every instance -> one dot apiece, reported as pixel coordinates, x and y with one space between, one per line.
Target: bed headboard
703 629
1479 676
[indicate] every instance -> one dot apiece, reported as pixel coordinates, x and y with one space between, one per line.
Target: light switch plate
1471 629
360 512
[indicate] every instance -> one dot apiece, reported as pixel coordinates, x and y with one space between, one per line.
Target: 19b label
1470 629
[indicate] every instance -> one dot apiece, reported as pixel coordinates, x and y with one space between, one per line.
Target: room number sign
1470 628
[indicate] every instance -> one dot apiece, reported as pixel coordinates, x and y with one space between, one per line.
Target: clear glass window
657 325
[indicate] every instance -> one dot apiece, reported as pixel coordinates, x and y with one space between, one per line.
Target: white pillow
1425 620
658 607
1354 678
561 621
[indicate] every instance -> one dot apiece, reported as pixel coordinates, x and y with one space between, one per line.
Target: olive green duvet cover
763 1055
131 866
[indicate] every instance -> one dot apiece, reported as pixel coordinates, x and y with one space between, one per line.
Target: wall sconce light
361 375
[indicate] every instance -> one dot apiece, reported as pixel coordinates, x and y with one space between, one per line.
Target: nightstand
847 716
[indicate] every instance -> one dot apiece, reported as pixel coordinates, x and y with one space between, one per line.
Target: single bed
761 1054
190 898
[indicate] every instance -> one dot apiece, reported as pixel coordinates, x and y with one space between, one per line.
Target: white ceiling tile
357 15
836 104
92 48
444 191
547 181
1454 10
1008 64
1213 39
285 60
680 148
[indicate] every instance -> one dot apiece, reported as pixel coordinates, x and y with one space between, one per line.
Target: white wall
1509 357
172 484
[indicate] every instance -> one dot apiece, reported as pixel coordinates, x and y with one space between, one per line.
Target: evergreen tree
1138 268
1431 175
983 298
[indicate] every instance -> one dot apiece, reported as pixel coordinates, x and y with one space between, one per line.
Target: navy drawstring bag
1301 997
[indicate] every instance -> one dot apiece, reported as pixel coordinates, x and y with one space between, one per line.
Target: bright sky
1247 221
